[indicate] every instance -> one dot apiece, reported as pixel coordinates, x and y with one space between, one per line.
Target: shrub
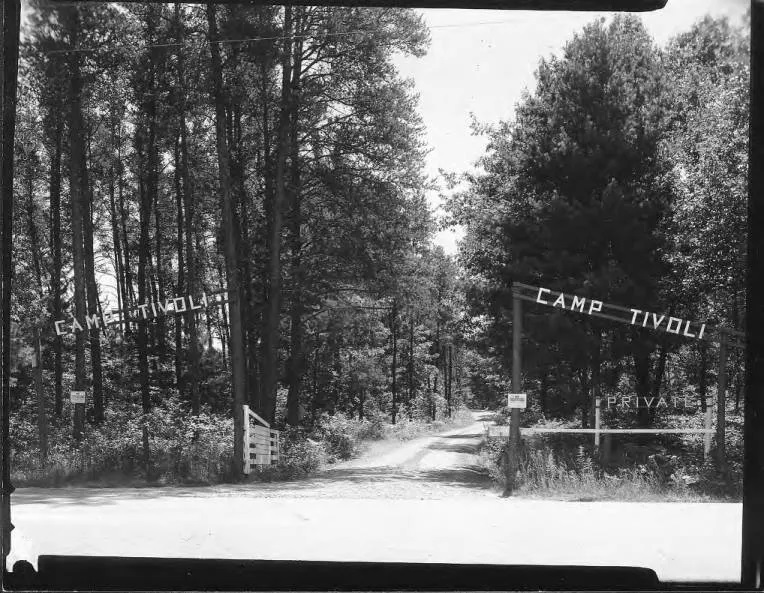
300 455
182 448
542 470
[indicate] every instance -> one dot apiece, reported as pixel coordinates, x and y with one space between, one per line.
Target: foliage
575 475
183 449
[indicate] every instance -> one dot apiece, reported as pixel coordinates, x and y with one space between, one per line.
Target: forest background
278 153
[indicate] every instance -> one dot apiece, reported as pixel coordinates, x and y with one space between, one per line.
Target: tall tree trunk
273 308
642 383
297 338
660 370
189 206
181 267
703 376
583 376
258 397
738 382
77 198
721 408
296 353
55 237
459 373
92 296
34 244
411 364
596 368
119 265
223 319
394 369
129 300
160 293
431 389
146 191
142 342
543 391
450 377
238 369
39 388
238 165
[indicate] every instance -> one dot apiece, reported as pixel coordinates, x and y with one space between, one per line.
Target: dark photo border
107 573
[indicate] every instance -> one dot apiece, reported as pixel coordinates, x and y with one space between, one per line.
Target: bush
338 433
344 437
182 449
577 475
300 455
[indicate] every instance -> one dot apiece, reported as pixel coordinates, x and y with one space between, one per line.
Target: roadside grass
548 474
193 450
663 467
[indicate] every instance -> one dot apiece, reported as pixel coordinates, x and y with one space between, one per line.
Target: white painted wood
597 425
247 464
503 430
261 442
258 418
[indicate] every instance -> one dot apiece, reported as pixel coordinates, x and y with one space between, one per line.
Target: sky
480 61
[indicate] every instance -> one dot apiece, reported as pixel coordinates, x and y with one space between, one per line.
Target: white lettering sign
77 397
179 305
516 400
674 325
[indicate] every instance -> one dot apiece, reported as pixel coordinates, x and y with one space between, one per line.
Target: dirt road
422 501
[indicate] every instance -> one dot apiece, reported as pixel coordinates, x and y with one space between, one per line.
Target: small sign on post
78 400
517 400
77 397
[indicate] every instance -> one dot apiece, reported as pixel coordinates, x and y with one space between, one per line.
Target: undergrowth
190 450
577 475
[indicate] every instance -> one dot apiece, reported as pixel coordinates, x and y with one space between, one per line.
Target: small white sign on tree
517 400
77 397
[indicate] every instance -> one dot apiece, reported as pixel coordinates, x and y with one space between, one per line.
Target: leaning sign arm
631 316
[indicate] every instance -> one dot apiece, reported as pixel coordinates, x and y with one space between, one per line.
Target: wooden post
721 394
514 422
596 363
707 435
79 421
597 423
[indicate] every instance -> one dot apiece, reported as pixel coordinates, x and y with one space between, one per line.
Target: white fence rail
261 442
495 432
503 431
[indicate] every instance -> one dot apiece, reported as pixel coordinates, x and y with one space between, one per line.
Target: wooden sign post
597 422
78 401
513 448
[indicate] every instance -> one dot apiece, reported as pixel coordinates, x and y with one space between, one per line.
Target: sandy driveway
422 501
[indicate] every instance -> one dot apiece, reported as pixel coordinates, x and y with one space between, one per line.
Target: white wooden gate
261 442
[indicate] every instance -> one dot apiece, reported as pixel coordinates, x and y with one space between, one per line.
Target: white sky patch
480 61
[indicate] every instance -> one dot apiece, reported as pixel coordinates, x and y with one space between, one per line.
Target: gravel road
421 501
